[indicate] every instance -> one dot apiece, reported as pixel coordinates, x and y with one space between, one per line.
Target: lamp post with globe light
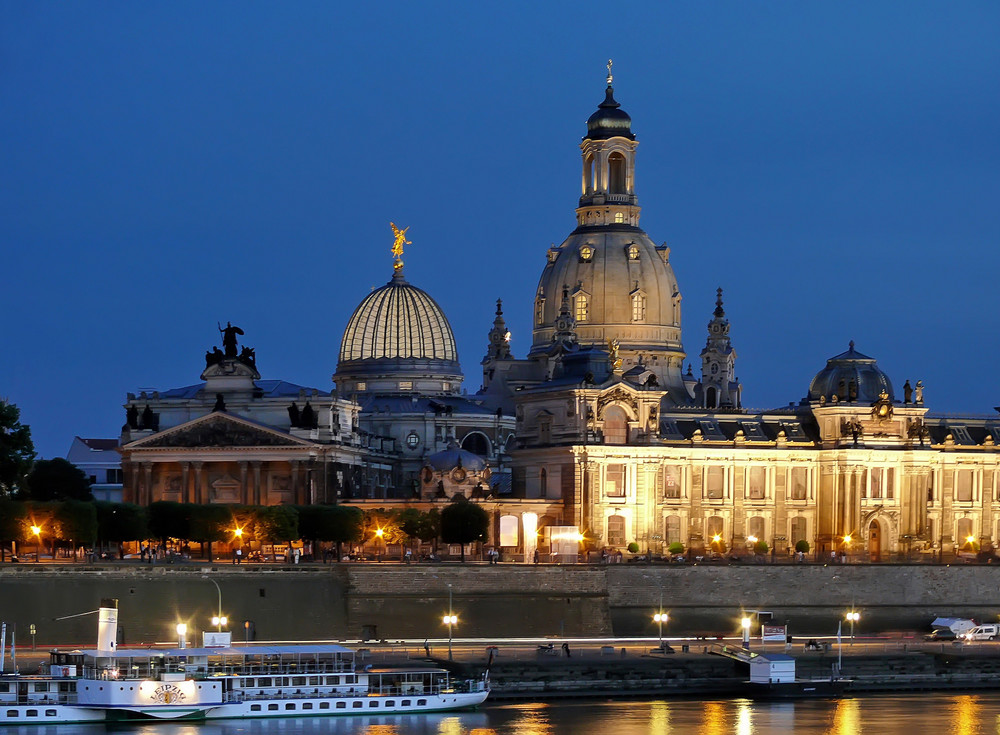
660 618
450 620
745 623
218 620
37 531
853 617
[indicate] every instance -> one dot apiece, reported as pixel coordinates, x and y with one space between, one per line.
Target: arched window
543 484
619 218
539 311
588 175
799 479
755 527
615 425
672 530
616 174
616 530
798 530
582 307
964 534
710 398
477 444
638 307
714 526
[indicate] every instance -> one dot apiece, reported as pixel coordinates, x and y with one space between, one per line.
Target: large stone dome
850 376
398 339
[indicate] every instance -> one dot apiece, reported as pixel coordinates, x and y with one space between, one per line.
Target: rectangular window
41 687
358 705
799 480
671 482
50 713
714 479
890 481
582 308
307 705
362 386
340 705
115 477
876 483
672 526
289 706
406 385
255 708
539 311
390 703
614 481
272 708
266 682
963 486
421 702
298 681
756 480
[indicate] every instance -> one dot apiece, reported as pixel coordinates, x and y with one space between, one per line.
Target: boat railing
42 698
401 691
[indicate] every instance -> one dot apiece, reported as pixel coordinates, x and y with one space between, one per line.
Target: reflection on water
962 714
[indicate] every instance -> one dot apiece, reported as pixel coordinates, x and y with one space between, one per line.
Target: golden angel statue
613 357
397 245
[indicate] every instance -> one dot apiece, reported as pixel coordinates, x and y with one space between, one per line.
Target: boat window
247 683
421 702
313 681
340 705
272 707
255 708
307 705
373 703
64 686
31 713
50 713
390 703
12 713
358 705
4 687
266 682
42 687
283 681
326 705
333 680
406 702
298 681
351 679
289 706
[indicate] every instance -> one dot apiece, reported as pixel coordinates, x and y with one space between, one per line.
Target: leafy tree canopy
76 520
17 452
119 522
210 523
276 523
56 479
168 519
463 522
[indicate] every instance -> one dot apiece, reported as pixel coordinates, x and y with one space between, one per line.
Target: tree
76 522
802 546
760 547
676 548
13 516
463 522
120 522
276 523
16 450
346 526
168 519
209 523
56 479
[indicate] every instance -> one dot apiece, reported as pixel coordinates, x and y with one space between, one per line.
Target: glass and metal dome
398 335
852 377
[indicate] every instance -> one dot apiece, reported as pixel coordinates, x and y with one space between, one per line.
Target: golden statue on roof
397 246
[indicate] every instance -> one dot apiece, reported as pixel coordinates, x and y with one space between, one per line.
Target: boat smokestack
107 626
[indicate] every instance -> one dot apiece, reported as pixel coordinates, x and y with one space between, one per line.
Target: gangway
736 653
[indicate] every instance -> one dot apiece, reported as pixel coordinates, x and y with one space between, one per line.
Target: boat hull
817 689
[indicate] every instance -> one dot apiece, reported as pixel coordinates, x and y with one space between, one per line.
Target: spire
718 362
565 334
719 311
499 346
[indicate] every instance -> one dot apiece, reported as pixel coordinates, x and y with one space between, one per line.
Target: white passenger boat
110 684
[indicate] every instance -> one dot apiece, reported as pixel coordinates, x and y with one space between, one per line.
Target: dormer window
582 307
552 255
619 218
586 254
633 251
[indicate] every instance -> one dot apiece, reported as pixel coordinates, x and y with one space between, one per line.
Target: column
185 482
147 478
258 491
196 493
244 495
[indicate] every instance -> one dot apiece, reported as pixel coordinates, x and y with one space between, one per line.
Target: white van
989 632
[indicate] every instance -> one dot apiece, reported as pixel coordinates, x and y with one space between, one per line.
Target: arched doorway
875 541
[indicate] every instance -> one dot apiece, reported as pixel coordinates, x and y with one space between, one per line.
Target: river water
956 714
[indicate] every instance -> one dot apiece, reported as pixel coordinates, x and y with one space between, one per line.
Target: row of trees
75 523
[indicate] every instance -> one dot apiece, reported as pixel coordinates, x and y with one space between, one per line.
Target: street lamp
220 619
847 545
379 533
450 620
37 530
852 618
745 622
182 630
660 617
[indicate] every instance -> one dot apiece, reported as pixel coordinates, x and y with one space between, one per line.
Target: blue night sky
833 166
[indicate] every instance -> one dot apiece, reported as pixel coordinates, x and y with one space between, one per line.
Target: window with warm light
633 252
406 385
539 311
614 481
619 218
586 253
638 307
582 308
616 530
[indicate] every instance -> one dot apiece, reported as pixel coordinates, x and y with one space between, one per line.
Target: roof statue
397 245
229 333
610 76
